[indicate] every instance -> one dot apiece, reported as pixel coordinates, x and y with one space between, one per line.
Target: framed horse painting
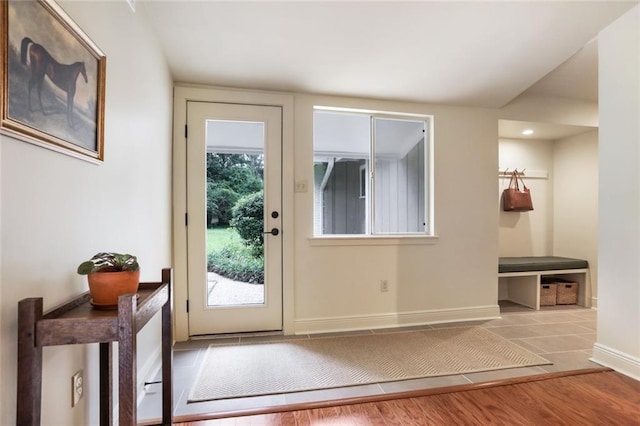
53 80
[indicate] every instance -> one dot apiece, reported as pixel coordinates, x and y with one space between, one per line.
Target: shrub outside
237 263
248 218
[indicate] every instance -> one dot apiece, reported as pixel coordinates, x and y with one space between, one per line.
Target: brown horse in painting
63 76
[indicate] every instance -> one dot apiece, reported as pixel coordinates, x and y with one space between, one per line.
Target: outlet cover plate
77 387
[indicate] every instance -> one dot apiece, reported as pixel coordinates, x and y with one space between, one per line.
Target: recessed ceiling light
527 132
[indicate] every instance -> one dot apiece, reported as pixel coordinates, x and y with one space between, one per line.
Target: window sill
373 240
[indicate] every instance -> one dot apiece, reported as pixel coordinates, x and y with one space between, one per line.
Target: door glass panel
235 217
399 196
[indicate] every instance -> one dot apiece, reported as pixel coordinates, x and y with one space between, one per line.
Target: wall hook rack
531 174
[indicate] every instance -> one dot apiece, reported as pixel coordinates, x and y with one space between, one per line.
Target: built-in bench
519 278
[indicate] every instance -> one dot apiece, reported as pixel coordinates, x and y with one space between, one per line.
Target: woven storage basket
548 294
566 293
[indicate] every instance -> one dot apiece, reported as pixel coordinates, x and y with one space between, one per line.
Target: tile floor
562 334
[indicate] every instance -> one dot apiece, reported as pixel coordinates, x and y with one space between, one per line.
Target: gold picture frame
53 80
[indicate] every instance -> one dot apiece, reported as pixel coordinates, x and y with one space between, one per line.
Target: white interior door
221 138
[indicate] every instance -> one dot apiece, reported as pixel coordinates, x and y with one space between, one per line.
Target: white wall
333 283
451 278
551 109
618 336
57 210
527 233
575 201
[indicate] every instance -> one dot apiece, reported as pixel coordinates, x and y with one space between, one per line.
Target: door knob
274 231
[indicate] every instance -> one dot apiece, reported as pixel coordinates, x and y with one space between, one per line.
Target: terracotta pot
105 287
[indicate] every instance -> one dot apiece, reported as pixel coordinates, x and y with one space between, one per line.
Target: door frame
206 318
182 94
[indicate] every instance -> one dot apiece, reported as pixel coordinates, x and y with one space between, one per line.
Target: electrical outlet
77 387
384 286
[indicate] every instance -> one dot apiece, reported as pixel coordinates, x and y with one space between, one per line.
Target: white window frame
363 181
427 236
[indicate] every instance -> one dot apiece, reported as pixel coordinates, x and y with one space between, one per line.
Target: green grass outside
229 257
220 237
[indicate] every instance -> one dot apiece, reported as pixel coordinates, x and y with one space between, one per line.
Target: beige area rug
231 371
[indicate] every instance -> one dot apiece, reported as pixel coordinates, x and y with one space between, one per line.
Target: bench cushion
539 263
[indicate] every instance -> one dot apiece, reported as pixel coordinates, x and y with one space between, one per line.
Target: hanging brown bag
515 199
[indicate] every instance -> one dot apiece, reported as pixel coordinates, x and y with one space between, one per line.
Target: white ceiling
576 78
510 129
476 53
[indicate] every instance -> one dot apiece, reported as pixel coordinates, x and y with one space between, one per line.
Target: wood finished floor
595 398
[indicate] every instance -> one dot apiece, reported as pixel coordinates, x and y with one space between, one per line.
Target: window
371 173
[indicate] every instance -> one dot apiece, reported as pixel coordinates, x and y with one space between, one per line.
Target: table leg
29 363
127 306
106 384
167 365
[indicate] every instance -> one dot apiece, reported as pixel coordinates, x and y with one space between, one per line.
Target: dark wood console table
77 322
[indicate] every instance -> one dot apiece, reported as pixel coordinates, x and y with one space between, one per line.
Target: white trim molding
395 319
373 240
621 362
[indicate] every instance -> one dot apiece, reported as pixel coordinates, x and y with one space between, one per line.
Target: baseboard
594 303
619 361
396 319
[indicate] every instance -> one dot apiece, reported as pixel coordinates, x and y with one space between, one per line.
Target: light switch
301 186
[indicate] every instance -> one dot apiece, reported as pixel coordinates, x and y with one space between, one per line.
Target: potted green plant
110 275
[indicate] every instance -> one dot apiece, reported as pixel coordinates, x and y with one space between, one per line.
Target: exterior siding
344 210
400 197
